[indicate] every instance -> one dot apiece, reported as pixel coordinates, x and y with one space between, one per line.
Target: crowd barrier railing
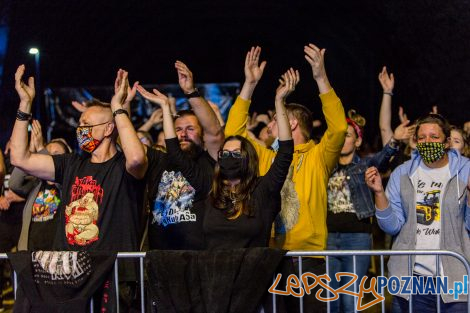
300 255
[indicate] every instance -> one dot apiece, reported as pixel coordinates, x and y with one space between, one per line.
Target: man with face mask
107 182
177 195
426 206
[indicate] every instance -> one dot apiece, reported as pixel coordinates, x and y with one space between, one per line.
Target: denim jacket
361 195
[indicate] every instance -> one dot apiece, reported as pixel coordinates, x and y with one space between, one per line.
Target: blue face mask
275 144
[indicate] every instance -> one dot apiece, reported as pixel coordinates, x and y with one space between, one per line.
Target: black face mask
230 167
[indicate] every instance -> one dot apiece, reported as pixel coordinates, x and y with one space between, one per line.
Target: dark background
425 43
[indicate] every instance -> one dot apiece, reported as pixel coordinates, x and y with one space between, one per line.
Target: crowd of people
267 180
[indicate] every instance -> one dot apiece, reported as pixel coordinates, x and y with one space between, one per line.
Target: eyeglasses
91 126
223 154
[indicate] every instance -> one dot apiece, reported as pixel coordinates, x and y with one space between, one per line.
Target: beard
190 148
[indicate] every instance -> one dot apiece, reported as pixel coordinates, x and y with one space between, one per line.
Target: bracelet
23 116
120 111
194 94
388 93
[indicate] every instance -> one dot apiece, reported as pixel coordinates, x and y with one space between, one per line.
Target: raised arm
333 139
213 133
158 98
238 115
287 84
38 165
155 118
385 118
136 158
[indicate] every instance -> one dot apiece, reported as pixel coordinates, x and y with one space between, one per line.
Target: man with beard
177 199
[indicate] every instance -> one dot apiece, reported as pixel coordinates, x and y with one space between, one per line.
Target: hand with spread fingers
156 97
185 77
287 84
253 68
316 58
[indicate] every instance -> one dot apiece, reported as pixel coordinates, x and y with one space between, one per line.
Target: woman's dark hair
433 118
235 203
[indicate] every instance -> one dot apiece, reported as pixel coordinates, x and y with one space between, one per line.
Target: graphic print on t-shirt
428 202
81 214
339 195
61 268
174 200
46 204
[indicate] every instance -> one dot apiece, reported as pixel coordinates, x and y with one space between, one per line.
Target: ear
293 124
109 129
358 142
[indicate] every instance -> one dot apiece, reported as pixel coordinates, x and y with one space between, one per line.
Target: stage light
34 51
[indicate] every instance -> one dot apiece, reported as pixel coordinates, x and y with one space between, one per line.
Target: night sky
425 43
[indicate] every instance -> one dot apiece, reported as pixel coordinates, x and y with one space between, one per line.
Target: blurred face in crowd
265 137
456 140
189 132
351 142
272 127
54 149
466 127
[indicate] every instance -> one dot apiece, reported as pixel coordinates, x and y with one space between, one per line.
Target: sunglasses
223 154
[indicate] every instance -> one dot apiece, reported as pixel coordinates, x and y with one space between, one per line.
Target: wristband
388 93
194 94
120 111
23 116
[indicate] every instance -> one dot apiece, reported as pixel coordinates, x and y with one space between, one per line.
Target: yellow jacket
301 225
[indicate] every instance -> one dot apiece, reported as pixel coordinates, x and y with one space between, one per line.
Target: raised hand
316 58
387 81
80 106
434 110
287 84
253 69
185 77
155 97
156 117
402 115
130 91
25 92
373 180
402 132
37 140
121 90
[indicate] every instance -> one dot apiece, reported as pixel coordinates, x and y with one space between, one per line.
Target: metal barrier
300 255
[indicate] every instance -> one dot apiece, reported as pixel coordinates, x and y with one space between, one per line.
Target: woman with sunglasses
242 205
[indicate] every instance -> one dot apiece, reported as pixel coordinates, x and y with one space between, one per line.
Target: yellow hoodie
301 225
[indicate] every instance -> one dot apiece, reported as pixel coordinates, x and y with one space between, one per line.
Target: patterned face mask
430 152
85 139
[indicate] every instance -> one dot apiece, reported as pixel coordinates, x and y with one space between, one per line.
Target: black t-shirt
101 204
251 231
44 218
177 209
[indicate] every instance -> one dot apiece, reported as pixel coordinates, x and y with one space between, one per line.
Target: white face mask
275 144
